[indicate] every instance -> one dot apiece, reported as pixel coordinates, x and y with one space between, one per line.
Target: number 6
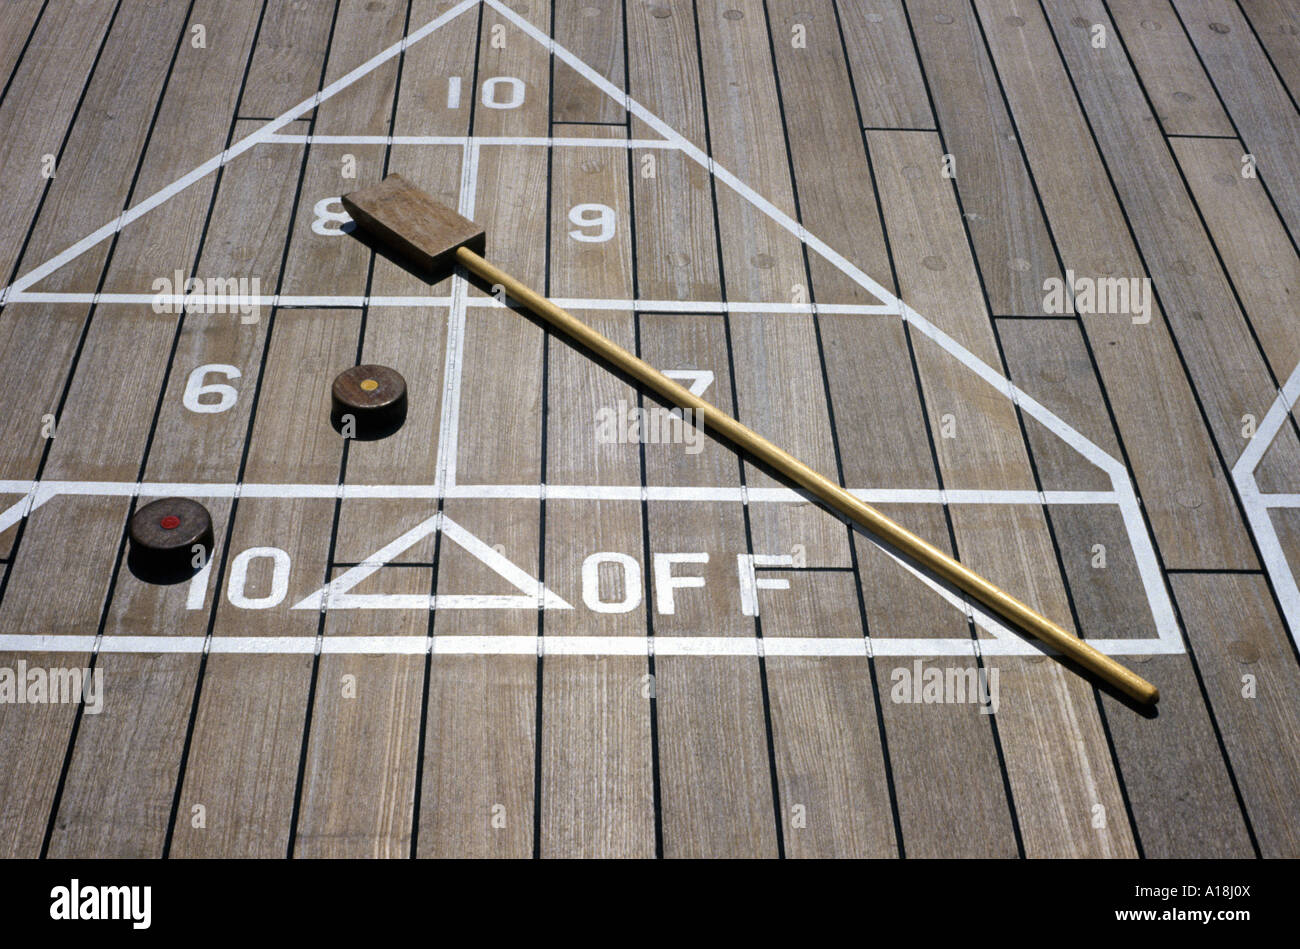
195 387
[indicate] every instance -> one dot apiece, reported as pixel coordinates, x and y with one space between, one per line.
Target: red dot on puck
170 522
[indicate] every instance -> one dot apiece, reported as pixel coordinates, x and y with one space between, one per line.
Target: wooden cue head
410 224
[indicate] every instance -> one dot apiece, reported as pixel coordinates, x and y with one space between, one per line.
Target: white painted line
267 301
454 355
540 141
336 594
1270 551
1272 423
1144 555
698 646
243 145
1161 607
579 492
1280 500
1257 505
674 139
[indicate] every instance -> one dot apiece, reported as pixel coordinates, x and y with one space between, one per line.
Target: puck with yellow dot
368 401
171 539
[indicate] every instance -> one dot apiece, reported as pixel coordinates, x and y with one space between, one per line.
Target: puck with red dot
171 539
368 401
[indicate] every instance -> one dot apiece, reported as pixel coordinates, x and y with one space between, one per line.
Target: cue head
411 225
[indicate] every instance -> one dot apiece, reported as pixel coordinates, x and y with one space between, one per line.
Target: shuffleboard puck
368 401
171 539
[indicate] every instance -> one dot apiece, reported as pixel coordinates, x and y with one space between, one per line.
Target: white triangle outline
533 593
1122 487
1029 405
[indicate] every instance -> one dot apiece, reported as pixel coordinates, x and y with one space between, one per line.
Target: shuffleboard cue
433 237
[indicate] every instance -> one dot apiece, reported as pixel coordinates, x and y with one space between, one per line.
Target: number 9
592 215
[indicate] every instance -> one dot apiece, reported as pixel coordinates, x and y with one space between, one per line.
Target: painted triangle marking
1123 490
533 593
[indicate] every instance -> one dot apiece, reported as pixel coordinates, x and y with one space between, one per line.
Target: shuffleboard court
1021 276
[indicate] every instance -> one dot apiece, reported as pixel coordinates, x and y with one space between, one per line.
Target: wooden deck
503 632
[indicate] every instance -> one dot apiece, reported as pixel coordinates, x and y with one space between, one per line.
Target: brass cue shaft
820 487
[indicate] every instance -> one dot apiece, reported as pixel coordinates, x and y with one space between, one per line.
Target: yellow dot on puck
369 385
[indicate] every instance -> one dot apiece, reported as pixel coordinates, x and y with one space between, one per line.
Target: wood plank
477 789
481 721
1278 31
358 792
886 74
203 81
878 415
1175 779
785 400
47 335
117 794
1264 271
250 701
582 266
497 338
250 221
1229 374
820 119
596 792
761 260
676 247
714 768
36 736
1012 246
1265 116
1249 669
830 765
1191 510
1057 782
1058 762
409 456
286 66
237 796
663 68
424 102
20 22
362 28
1184 99
93 182
329 263
504 50
1052 363
1251 240
947 767
884 443
40 107
938 278
594 33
